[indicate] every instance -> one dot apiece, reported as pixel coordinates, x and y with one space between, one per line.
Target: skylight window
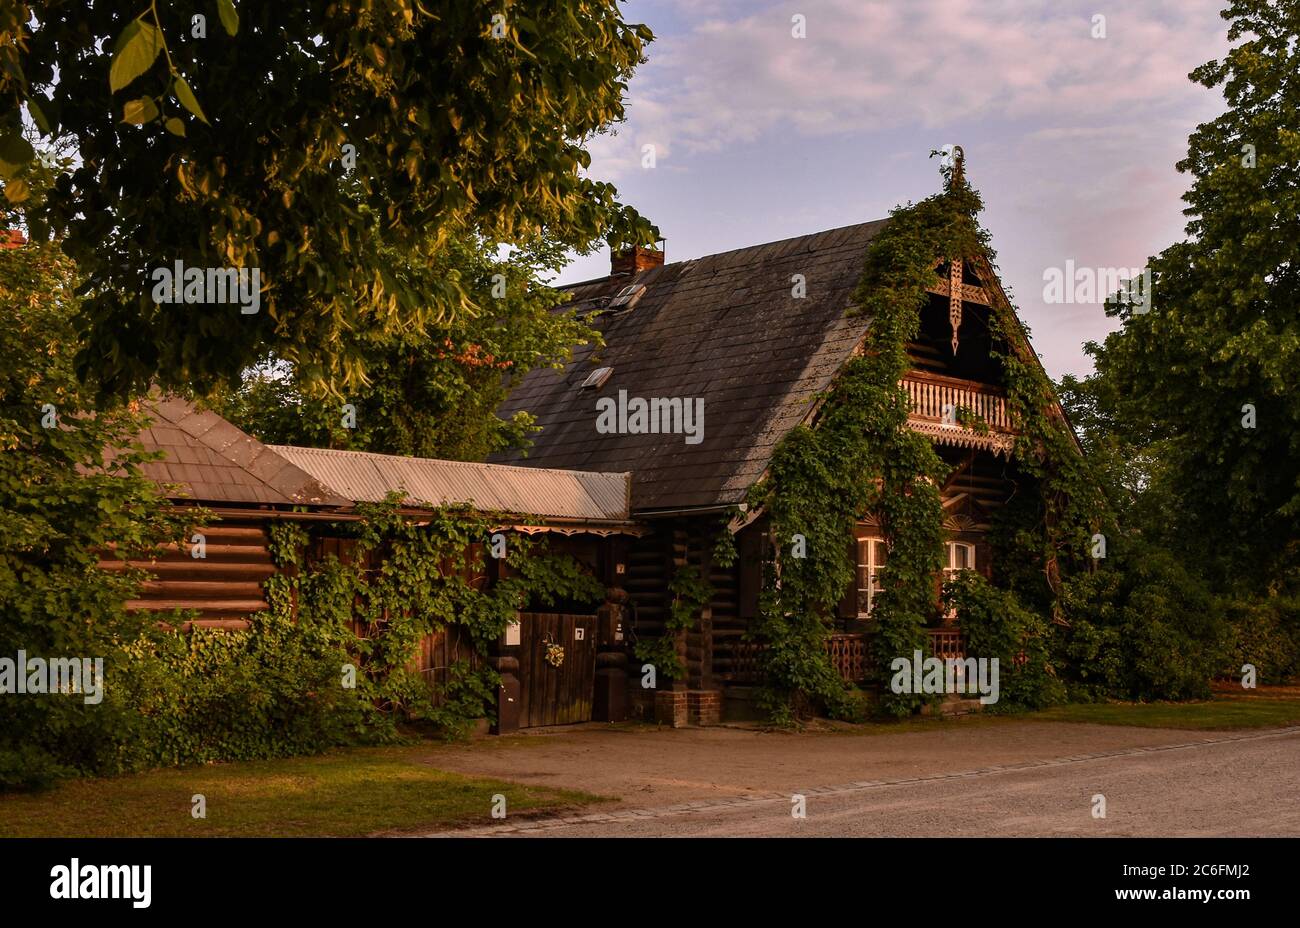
627 296
596 379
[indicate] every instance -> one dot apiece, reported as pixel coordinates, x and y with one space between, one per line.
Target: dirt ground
646 766
962 777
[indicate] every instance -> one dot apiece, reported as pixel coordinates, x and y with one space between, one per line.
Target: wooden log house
735 330
730 329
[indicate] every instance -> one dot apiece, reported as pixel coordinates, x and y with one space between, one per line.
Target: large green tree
1208 379
71 493
435 393
338 146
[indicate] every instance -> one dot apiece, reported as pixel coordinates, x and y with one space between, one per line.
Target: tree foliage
1205 384
338 146
71 492
433 394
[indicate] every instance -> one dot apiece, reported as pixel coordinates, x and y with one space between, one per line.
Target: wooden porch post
609 703
504 659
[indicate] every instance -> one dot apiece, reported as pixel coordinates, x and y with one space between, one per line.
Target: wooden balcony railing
937 400
850 654
946 643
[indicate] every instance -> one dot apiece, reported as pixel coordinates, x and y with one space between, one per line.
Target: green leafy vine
425 576
860 457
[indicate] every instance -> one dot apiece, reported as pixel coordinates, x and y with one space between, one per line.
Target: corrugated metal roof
553 494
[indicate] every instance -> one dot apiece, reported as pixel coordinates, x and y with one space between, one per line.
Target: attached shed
208 461
246 484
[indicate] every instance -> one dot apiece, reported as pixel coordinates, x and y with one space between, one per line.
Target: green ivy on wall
691 591
329 663
860 457
403 579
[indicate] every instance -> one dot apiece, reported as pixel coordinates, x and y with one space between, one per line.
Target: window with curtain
961 556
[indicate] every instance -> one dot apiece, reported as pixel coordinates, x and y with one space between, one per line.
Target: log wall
224 586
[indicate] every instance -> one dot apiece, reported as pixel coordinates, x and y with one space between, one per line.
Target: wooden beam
969 292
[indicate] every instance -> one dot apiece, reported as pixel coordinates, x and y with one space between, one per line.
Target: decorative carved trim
958 437
960 523
970 293
602 531
954 299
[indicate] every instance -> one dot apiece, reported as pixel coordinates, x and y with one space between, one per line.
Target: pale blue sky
1071 139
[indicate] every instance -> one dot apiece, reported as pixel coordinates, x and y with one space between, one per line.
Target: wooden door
550 694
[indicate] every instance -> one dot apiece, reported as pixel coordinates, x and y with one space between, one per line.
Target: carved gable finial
954 299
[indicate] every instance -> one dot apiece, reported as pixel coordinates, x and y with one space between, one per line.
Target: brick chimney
627 261
12 238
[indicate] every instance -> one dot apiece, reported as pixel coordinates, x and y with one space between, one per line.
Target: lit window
961 556
872 555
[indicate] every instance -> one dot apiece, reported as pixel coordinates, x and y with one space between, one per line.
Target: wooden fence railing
946 642
850 654
747 663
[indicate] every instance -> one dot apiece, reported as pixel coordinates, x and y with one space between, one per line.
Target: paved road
1222 784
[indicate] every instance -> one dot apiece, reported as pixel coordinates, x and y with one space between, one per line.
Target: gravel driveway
967 777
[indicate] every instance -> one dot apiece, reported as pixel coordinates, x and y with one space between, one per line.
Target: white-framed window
872 555
961 556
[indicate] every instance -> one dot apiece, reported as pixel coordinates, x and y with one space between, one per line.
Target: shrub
997 625
1264 632
1143 629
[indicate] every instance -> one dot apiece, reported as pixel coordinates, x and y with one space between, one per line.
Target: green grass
1220 713
350 792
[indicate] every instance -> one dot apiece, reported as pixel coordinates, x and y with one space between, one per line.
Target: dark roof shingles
216 463
725 328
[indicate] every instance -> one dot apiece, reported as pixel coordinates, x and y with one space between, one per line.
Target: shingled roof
215 463
726 328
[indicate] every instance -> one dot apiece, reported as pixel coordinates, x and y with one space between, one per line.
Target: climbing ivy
427 575
691 592
860 457
1051 531
329 663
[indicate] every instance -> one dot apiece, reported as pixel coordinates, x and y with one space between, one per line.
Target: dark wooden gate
551 695
439 652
